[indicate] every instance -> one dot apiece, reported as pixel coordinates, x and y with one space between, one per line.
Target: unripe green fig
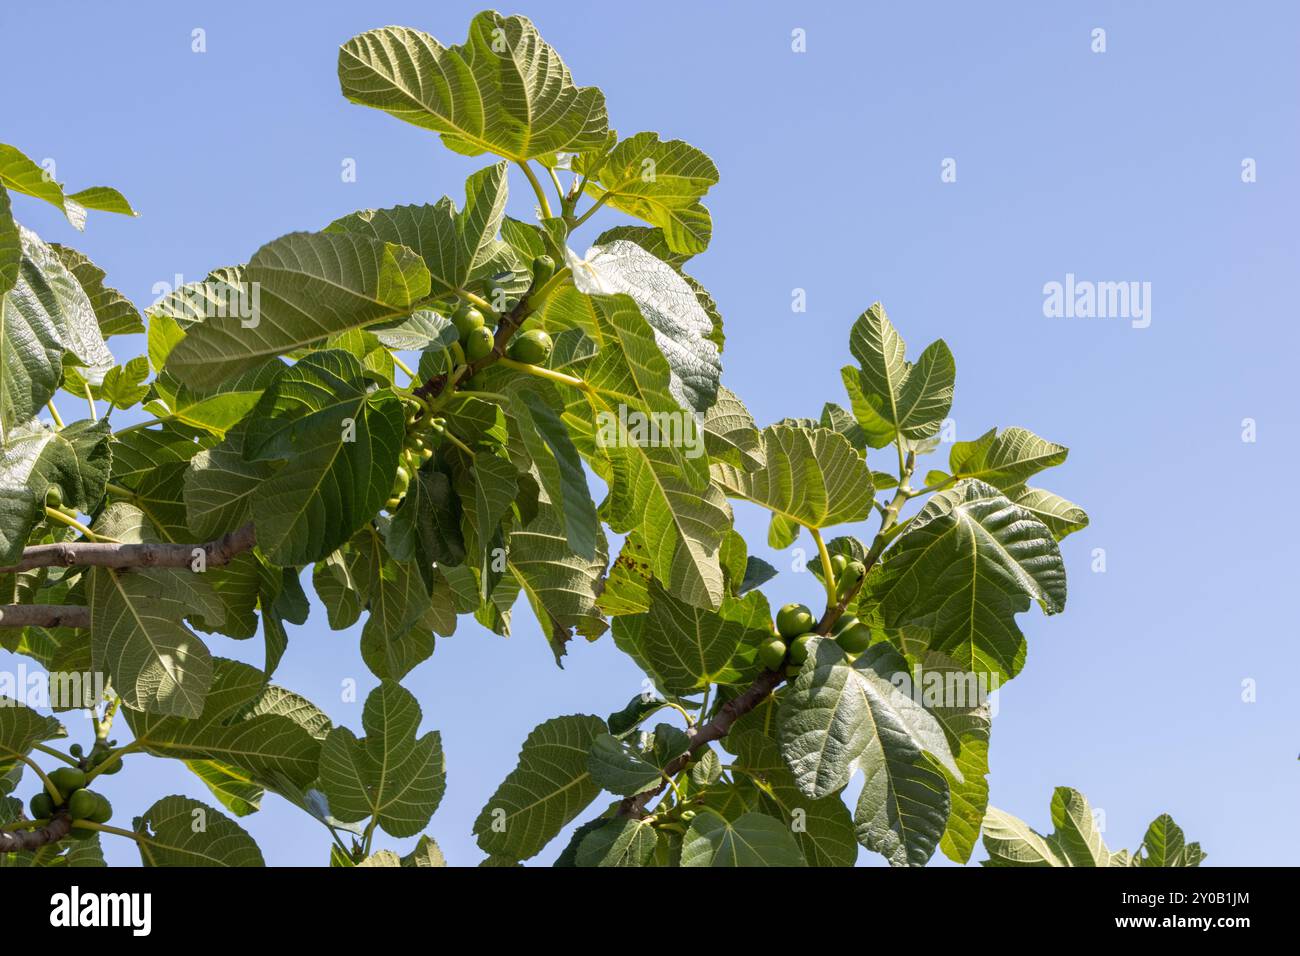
478 344
532 347
401 482
543 269
799 649
103 809
103 765
794 619
82 804
42 806
848 579
854 638
68 780
792 670
771 653
76 750
466 318
54 497
838 563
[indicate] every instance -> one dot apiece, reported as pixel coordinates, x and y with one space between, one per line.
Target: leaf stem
369 835
144 424
90 400
338 841
54 413
105 828
681 798
690 721
482 304
537 188
537 298
555 181
60 517
50 788
545 373
397 360
486 396
446 433
591 211
25 824
55 753
118 490
114 756
827 572
931 489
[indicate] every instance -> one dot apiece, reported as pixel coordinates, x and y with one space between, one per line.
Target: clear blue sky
1117 166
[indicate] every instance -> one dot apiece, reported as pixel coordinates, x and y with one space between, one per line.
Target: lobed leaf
297 290
965 566
390 775
548 788
504 91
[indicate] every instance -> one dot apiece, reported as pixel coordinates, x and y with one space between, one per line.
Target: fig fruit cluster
795 624
415 452
79 803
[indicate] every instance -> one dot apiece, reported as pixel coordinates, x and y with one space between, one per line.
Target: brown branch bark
15 841
720 724
714 729
99 554
151 555
44 615
507 326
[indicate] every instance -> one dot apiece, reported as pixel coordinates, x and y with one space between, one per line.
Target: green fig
794 619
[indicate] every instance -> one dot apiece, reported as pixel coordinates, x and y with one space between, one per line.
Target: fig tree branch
147 555
44 615
507 325
111 555
719 725
15 841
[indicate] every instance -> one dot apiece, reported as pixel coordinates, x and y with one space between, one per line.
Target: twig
704 734
537 188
